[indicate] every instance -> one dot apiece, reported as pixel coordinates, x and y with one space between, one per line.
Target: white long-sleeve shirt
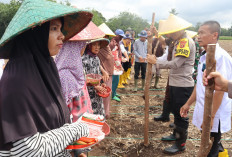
48 144
223 114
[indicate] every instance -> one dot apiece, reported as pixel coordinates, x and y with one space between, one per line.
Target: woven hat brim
191 34
106 30
175 30
173 24
90 32
73 25
33 13
103 42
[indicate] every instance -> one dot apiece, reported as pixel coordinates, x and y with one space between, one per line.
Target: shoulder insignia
182 48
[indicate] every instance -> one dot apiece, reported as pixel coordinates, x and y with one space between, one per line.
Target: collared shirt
181 68
1 67
140 49
164 57
224 66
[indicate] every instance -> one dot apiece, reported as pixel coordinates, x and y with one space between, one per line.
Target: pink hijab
69 65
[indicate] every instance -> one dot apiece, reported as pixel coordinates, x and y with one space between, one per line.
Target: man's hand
151 59
141 60
184 110
221 84
154 30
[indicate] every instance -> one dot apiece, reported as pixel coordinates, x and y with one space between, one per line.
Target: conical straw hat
161 25
191 34
106 30
103 42
90 32
36 12
173 24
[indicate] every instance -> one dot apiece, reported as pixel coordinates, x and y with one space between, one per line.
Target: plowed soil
127 122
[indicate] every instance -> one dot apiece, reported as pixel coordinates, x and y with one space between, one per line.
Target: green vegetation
98 18
225 38
125 20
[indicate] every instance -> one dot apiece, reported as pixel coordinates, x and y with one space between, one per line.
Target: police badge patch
182 48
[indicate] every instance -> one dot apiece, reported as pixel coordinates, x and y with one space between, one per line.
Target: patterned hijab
69 64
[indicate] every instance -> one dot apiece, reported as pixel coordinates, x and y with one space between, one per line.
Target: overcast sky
191 10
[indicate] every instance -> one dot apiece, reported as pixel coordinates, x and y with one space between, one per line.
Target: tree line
123 21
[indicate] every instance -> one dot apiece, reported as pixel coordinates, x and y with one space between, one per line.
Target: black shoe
168 138
162 118
171 125
174 149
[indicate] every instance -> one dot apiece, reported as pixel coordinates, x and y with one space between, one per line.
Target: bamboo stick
147 85
206 142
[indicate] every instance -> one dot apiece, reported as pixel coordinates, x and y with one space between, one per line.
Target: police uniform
181 83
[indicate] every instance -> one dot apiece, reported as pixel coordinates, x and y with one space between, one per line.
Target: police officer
181 83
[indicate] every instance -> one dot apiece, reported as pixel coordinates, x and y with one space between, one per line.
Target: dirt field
126 122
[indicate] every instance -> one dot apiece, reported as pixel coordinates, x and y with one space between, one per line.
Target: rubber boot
179 145
143 84
135 85
165 114
223 154
116 98
172 125
156 82
128 73
151 82
125 78
118 95
171 137
120 85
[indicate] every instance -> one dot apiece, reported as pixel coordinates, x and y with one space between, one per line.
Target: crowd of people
44 73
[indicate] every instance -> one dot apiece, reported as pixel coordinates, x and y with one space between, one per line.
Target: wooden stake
147 85
206 142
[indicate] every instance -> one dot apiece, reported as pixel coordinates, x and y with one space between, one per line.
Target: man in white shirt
209 33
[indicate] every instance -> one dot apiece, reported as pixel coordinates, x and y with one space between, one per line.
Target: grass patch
225 38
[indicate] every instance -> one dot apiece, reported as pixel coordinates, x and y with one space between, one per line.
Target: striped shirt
48 144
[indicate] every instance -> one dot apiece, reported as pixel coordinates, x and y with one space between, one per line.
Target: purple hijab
69 65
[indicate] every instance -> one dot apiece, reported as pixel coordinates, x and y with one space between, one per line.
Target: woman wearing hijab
107 63
116 51
91 64
34 118
69 65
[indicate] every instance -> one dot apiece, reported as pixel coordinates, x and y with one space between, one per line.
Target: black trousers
217 145
140 66
178 97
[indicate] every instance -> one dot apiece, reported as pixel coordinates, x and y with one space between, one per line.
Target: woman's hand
105 76
100 89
